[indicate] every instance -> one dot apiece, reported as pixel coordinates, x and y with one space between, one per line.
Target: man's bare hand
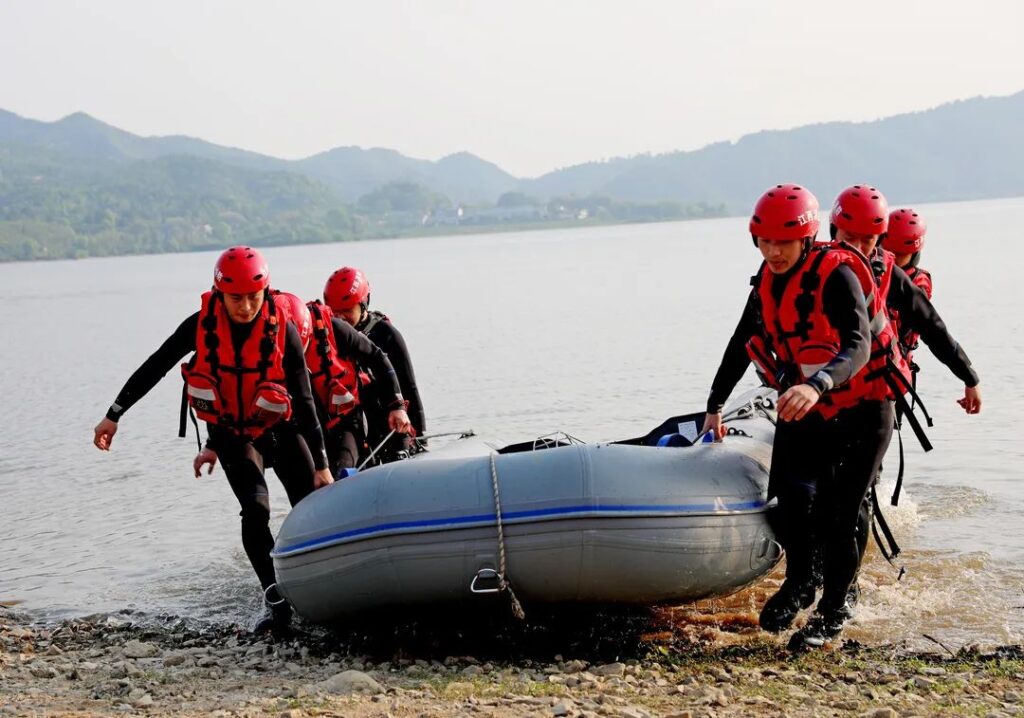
797 401
206 456
322 478
713 423
972 400
104 431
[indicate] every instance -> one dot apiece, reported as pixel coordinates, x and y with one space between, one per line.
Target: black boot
823 626
275 616
780 610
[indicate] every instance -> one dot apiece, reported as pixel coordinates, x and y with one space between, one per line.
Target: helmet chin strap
364 312
808 243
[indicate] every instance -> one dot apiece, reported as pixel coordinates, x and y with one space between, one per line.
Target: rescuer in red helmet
905 239
347 293
807 326
861 221
247 374
334 353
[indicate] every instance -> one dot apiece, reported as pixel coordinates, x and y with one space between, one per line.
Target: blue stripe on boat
514 517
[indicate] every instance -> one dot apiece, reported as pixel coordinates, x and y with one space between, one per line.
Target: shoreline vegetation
396 233
182 204
649 665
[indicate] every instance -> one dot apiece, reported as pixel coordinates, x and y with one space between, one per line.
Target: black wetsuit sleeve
735 360
917 312
392 343
843 301
303 407
172 351
354 344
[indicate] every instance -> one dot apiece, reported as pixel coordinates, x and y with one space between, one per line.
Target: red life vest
921 278
882 263
334 378
242 390
799 340
908 338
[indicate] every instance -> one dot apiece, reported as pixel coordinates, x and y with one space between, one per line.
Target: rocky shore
113 665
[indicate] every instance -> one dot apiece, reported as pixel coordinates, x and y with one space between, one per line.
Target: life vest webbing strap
911 388
895 500
880 528
904 407
323 347
211 342
186 411
269 340
810 285
766 362
182 421
372 319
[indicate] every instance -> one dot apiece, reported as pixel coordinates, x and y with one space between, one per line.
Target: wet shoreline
112 664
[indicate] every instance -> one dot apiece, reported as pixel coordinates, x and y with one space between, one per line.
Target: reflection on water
601 332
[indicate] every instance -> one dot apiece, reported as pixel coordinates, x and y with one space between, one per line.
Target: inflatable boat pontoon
657 519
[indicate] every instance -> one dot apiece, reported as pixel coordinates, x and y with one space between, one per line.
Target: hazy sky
528 85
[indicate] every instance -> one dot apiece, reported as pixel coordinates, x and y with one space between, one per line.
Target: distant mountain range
349 172
78 186
961 150
969 149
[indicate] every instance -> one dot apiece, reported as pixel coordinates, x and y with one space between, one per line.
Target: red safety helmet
241 270
861 209
346 288
906 232
785 212
296 312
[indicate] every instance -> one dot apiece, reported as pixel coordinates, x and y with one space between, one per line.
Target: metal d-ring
268 601
486 574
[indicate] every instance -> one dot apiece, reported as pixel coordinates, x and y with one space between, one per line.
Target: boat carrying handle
266 595
486 574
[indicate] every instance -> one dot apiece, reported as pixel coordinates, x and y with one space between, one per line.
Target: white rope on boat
503 582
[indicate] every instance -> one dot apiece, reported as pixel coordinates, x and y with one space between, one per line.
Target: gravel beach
646 665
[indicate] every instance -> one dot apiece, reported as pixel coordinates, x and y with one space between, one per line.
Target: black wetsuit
917 314
294 456
819 468
384 334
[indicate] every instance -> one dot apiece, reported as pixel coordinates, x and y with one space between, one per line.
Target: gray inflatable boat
657 519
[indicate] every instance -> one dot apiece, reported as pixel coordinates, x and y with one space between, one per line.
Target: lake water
601 332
